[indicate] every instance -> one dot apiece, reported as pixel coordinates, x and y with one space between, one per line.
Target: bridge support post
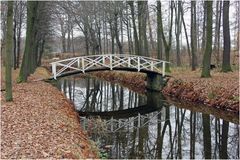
54 68
154 82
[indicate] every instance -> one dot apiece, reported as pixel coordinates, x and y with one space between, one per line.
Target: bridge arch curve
154 68
109 62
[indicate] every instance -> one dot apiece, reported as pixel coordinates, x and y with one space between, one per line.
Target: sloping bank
41 123
220 91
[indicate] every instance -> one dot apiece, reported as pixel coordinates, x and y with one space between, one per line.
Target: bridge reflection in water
130 125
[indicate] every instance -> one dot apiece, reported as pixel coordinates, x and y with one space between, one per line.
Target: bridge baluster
103 59
138 64
151 65
129 61
163 69
54 70
83 68
78 62
110 62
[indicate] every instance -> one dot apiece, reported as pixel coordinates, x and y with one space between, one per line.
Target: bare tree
167 44
193 35
208 49
226 66
9 52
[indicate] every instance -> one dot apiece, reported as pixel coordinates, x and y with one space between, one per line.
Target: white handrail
110 61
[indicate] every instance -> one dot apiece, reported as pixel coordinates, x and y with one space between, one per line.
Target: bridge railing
110 61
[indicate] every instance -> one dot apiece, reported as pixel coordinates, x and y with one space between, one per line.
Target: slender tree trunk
178 30
9 52
99 37
128 35
185 31
208 49
167 45
63 37
73 50
204 28
19 39
226 66
41 52
159 33
117 33
14 39
142 25
217 32
68 34
112 37
136 41
150 31
193 35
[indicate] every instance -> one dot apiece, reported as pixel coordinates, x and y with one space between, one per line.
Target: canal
126 124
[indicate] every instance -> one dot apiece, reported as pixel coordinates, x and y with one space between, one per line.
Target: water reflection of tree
179 133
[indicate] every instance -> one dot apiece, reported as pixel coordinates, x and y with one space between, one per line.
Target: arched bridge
108 61
89 63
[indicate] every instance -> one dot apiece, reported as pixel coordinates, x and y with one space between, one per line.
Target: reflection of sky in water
180 123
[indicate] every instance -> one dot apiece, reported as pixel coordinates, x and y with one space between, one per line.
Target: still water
125 124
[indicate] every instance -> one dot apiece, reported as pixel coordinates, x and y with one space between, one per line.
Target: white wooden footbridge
108 62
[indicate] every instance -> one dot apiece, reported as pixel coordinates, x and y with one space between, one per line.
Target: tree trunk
136 41
63 33
9 52
167 45
150 31
117 33
159 34
68 35
128 25
142 25
226 66
217 31
41 52
19 41
72 40
30 40
193 35
208 49
178 30
14 39
185 31
204 27
112 37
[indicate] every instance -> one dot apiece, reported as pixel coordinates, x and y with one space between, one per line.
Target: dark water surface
125 124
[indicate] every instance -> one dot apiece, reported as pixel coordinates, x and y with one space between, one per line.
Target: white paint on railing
110 61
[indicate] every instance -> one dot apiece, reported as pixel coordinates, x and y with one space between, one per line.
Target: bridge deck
108 61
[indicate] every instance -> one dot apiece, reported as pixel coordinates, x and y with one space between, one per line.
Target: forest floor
41 123
220 91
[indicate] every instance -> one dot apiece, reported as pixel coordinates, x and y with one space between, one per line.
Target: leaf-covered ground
220 91
41 123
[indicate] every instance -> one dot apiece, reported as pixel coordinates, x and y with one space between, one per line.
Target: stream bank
41 123
220 91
